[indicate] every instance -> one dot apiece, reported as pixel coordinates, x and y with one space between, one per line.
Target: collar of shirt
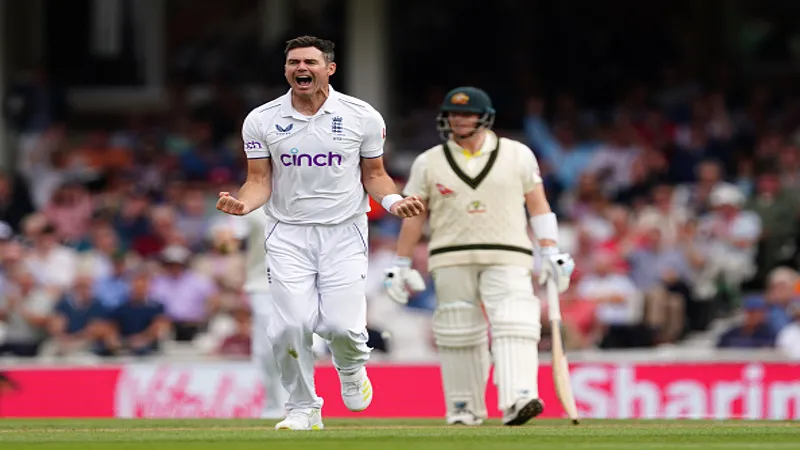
329 107
488 146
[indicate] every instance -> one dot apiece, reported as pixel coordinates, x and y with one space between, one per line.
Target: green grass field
395 434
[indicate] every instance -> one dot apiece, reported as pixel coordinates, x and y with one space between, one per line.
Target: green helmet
465 99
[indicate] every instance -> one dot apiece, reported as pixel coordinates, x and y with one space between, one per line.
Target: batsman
477 187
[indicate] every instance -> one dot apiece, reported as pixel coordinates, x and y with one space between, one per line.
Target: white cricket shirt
316 161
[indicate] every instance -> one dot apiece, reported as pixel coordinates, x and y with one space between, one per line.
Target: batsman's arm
410 234
412 229
543 221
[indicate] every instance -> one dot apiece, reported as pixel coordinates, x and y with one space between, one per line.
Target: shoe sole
313 428
532 409
462 423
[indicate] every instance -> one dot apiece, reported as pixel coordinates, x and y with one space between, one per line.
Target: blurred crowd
679 206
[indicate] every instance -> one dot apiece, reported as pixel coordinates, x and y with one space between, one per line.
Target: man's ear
331 68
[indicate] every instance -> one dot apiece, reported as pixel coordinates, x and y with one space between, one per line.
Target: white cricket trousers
317 278
264 358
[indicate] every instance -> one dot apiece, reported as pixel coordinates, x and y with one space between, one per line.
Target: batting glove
556 265
400 280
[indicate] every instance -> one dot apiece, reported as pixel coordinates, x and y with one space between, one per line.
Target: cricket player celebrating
256 287
475 186
313 156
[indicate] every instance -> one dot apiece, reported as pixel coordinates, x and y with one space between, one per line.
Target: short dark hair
323 45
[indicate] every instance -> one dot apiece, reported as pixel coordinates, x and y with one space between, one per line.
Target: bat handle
553 306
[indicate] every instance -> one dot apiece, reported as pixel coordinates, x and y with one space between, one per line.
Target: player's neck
310 105
473 143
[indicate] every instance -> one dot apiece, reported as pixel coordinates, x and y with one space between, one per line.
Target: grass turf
395 434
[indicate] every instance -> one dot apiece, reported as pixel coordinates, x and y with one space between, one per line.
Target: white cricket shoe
356 390
463 416
302 420
522 411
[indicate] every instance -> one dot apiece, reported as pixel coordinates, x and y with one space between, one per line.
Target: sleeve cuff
372 154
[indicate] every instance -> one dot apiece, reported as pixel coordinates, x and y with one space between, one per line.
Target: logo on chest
444 191
476 207
298 159
336 128
284 131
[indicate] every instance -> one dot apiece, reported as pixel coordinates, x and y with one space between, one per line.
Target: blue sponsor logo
252 145
284 130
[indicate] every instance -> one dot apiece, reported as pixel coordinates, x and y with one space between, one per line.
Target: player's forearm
254 194
542 217
410 234
379 185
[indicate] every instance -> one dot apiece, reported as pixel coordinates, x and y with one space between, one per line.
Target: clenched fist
408 207
230 205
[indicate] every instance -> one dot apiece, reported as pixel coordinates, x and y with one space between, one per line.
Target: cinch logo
295 158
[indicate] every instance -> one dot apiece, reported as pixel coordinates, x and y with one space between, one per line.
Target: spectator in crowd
778 210
192 219
113 289
239 343
187 296
104 245
131 220
732 234
223 262
788 340
612 161
70 211
694 197
25 308
74 322
780 294
164 232
662 211
754 331
558 148
15 200
139 324
619 304
53 264
661 272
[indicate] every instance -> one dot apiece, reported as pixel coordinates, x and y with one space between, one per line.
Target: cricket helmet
466 99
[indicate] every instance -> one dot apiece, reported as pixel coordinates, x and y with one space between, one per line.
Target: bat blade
561 378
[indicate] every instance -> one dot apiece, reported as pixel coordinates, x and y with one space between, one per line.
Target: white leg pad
461 336
514 315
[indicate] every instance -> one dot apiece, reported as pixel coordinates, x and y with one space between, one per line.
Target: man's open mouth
303 80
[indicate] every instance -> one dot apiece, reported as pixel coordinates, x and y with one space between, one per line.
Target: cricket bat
561 377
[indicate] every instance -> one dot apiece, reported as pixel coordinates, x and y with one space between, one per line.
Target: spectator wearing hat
732 234
754 331
187 296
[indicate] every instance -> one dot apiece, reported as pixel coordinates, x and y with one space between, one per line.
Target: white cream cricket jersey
316 171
